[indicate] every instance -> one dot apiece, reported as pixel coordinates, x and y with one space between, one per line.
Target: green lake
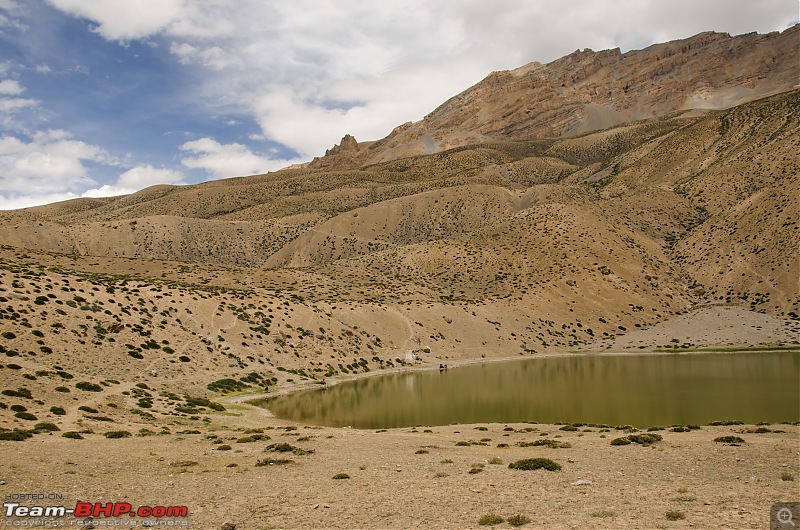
639 390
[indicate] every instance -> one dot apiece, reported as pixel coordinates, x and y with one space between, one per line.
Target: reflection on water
642 390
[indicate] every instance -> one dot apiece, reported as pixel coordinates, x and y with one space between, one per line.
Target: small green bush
645 438
273 461
46 426
287 448
16 435
226 385
73 435
20 392
58 411
729 440
787 477
117 434
531 464
673 515
490 519
88 387
252 438
224 447
25 416
90 410
341 476
518 520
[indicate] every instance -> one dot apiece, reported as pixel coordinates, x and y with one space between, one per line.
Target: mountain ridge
586 91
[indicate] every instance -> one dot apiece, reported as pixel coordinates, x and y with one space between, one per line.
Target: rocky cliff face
588 90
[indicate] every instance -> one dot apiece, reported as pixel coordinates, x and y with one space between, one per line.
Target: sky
106 97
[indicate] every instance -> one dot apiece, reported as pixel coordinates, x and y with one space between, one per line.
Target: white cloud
13 105
10 105
130 181
124 19
228 160
14 201
9 87
51 162
143 176
136 179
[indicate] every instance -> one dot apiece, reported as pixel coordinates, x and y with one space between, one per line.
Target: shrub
421 452
46 427
273 461
531 464
518 520
88 387
226 385
287 448
787 477
645 438
341 476
117 434
58 411
553 444
252 438
90 410
203 402
9 335
20 392
18 408
673 515
490 519
25 416
729 440
61 389
73 435
224 447
16 435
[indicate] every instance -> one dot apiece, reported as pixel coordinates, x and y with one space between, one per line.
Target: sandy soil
394 484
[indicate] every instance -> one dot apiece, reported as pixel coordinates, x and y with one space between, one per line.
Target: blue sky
105 97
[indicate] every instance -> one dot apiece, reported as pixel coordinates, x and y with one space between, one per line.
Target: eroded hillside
490 250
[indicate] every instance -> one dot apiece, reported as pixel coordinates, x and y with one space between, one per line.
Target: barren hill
514 245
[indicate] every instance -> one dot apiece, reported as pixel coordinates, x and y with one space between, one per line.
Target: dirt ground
415 477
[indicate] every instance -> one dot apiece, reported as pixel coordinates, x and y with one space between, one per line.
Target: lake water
639 390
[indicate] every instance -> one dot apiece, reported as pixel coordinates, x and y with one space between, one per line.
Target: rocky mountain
587 91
